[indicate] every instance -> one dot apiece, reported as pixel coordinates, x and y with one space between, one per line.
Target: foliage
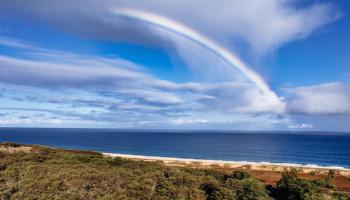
292 187
240 175
312 173
341 196
247 189
46 173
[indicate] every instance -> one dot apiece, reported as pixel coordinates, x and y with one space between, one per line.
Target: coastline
255 166
267 173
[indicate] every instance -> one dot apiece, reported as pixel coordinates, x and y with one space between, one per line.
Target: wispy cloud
84 87
78 88
230 22
279 22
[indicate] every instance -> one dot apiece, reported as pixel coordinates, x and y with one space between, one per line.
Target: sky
176 64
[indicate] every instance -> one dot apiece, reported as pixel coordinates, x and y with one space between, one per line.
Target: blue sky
151 64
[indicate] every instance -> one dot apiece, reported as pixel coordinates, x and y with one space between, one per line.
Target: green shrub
166 188
240 175
312 173
291 187
210 186
224 193
247 189
116 161
322 183
217 174
341 196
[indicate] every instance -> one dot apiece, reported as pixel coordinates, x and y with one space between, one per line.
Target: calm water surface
302 148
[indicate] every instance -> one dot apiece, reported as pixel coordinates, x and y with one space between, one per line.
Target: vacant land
36 172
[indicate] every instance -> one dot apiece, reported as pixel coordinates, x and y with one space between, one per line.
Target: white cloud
90 88
121 78
236 97
125 87
55 121
153 96
263 25
15 121
301 126
328 98
21 122
189 121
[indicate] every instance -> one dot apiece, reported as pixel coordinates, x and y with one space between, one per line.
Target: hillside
36 172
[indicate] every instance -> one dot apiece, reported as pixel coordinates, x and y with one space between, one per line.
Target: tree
291 187
247 189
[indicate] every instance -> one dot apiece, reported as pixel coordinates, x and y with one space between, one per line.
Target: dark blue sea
325 149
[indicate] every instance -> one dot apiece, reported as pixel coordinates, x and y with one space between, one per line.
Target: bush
246 189
166 188
116 161
210 187
312 173
240 175
341 196
324 184
219 175
10 144
224 193
291 187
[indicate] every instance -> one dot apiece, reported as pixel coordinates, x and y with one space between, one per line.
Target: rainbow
191 34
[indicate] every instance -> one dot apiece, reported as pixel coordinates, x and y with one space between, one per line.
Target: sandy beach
263 166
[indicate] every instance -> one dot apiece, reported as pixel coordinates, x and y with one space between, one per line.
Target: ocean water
324 149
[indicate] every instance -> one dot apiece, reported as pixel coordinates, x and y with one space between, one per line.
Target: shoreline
208 163
258 166
267 173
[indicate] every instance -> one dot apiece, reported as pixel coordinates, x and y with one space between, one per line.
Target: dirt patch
9 149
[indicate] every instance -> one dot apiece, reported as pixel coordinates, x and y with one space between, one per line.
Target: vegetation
294 188
46 173
312 173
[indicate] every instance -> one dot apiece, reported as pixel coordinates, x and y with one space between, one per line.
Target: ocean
324 149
